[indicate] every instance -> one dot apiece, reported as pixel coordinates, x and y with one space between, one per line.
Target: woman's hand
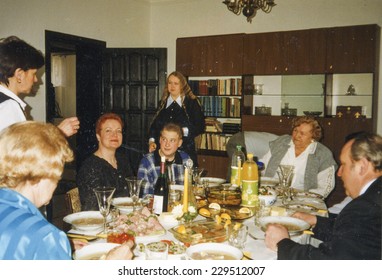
152 147
69 126
78 244
122 252
274 234
309 218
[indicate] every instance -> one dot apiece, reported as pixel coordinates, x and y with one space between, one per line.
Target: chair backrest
72 198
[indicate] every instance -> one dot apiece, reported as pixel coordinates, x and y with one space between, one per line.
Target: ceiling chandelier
249 7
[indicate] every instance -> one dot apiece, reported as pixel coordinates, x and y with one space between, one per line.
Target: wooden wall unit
337 50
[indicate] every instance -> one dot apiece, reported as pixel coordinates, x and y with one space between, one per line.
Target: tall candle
185 191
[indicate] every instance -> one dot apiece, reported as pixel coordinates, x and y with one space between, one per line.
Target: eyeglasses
109 131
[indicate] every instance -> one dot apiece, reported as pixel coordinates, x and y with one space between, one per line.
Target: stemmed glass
104 195
196 174
285 174
134 189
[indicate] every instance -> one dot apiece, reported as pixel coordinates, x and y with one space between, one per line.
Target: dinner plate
85 220
213 181
125 204
213 251
294 225
95 251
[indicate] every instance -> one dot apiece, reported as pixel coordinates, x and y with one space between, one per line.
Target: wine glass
196 174
134 189
104 195
285 174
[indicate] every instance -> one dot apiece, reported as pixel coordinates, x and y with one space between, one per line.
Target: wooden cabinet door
215 166
303 51
262 54
352 49
210 55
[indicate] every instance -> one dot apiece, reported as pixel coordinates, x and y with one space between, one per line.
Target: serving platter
85 220
200 232
232 211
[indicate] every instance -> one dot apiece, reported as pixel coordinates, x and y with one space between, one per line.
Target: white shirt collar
364 189
170 101
9 93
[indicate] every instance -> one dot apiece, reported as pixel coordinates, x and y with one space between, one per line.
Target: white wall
157 23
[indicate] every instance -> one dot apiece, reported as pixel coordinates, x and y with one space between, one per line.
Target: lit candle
185 191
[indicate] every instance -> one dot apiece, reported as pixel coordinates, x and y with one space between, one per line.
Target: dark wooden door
133 84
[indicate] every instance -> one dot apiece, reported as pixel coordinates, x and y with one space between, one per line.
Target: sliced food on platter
142 224
235 212
85 220
200 232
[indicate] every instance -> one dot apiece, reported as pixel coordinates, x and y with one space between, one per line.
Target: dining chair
72 198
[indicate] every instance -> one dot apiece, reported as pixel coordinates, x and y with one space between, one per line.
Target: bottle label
235 176
158 204
249 193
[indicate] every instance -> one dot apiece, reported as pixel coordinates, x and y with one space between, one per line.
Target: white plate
212 181
267 181
298 225
214 248
92 251
91 220
120 203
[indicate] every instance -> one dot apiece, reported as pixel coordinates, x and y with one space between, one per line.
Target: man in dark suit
356 232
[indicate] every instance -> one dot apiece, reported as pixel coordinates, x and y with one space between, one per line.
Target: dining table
254 247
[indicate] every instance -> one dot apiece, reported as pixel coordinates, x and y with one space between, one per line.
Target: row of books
211 141
230 86
220 107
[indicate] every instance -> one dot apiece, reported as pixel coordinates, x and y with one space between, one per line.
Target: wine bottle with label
161 190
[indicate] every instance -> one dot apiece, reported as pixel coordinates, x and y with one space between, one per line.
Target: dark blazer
354 234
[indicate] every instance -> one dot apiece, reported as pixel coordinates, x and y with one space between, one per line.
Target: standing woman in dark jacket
178 105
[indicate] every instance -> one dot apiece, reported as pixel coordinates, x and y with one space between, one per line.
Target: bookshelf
220 98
